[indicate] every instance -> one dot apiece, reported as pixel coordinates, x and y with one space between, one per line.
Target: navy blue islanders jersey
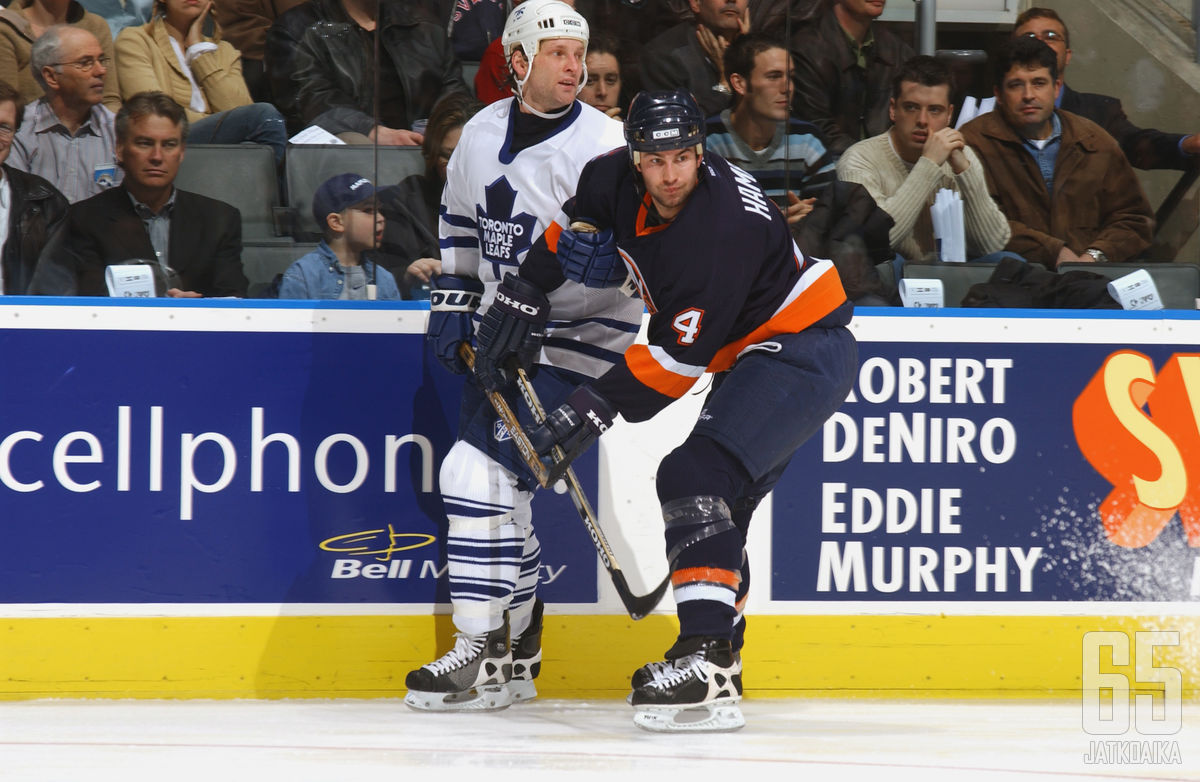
723 275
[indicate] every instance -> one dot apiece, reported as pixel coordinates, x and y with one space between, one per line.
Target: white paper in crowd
922 293
1136 291
972 108
315 134
131 281
947 213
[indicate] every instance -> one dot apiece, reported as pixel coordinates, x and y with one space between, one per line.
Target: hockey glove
511 332
573 426
452 303
589 256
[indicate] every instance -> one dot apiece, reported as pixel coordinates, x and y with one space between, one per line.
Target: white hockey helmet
534 21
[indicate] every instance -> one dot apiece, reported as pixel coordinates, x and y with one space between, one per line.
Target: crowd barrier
238 499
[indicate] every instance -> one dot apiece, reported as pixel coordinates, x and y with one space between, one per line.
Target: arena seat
262 262
957 278
308 165
242 175
1178 284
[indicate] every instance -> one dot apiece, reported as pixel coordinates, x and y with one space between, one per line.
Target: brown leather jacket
1097 202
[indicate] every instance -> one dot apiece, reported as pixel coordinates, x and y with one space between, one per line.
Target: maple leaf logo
503 236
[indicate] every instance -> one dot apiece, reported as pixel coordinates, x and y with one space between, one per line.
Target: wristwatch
1099 256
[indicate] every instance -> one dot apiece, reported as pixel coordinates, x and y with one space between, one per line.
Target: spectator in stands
1146 148
244 24
30 208
602 89
845 67
474 24
195 241
320 58
1063 183
24 21
410 238
784 154
68 136
173 54
691 55
346 208
904 168
121 13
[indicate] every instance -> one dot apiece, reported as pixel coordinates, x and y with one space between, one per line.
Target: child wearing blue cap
345 208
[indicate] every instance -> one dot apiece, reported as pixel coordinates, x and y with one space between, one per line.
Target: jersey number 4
687 325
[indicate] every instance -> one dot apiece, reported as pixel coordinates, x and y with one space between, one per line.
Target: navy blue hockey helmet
663 119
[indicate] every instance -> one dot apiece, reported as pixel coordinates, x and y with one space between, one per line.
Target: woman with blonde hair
180 52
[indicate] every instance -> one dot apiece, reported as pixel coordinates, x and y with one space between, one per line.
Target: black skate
700 691
653 671
472 676
527 658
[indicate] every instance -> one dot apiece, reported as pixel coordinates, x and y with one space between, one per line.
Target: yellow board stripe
583 656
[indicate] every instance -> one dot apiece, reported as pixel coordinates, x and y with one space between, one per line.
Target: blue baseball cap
339 193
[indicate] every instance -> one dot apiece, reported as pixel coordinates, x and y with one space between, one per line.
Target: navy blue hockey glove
590 256
452 303
511 332
573 426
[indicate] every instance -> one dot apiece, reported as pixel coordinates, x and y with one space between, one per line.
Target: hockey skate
658 669
473 676
699 691
527 658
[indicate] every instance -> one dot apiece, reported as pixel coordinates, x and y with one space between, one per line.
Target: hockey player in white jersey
515 165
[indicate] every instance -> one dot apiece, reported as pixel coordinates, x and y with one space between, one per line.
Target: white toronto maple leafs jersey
496 204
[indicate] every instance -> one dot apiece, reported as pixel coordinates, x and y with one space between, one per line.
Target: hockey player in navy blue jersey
517 161
728 293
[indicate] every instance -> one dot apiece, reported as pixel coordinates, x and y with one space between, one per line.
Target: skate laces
466 647
658 670
680 670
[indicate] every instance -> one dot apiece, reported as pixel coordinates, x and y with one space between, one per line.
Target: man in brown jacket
1064 184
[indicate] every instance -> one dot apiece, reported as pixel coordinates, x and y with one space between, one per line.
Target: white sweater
906 191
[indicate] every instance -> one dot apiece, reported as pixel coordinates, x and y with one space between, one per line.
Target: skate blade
493 697
522 690
711 718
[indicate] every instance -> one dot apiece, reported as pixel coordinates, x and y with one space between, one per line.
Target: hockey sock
521 608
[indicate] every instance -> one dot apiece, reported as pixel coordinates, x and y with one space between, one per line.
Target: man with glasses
68 137
1145 148
30 207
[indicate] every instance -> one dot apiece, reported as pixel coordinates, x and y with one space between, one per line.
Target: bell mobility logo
382 544
1141 431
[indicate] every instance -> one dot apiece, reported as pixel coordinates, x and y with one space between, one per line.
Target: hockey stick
637 606
510 421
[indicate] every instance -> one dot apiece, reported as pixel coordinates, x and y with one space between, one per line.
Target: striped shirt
79 165
796 160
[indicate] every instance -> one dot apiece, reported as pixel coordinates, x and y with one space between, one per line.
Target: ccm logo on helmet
509 301
658 135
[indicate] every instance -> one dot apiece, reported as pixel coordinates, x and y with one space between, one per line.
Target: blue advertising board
236 453
969 464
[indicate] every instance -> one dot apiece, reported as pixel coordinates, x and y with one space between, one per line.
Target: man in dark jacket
691 55
1146 148
320 60
845 64
193 243
30 206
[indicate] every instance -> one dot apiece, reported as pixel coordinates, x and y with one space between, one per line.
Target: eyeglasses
1049 36
7 131
87 64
